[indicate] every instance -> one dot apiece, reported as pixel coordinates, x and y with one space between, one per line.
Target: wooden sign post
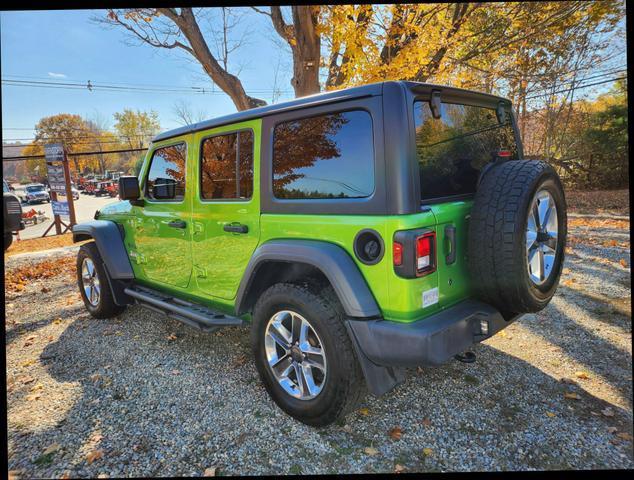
59 182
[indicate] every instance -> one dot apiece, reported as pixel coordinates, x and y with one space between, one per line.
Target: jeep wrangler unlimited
359 231
12 214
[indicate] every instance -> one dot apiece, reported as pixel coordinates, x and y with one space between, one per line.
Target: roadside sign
54 152
56 177
60 208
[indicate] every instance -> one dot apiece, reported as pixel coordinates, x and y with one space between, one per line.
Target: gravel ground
142 395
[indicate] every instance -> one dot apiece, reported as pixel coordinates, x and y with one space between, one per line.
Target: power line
76 154
577 87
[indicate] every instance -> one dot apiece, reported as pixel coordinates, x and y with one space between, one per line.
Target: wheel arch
109 241
286 260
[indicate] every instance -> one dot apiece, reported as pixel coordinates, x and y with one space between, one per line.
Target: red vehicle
106 188
90 187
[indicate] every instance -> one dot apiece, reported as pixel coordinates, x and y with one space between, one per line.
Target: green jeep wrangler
359 232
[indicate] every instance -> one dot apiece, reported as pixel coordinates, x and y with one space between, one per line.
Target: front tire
8 240
94 287
304 355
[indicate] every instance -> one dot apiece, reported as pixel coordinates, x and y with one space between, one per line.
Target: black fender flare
332 260
109 241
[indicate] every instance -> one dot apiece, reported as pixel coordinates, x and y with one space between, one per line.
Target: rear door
226 206
452 151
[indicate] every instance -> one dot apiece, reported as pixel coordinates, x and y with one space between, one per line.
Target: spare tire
517 236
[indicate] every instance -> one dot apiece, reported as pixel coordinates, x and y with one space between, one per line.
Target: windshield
35 188
5 186
451 150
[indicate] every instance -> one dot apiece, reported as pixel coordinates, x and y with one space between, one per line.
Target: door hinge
201 272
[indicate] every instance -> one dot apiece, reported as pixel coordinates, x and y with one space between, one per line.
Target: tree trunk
306 51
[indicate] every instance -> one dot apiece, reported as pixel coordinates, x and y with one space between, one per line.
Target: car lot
141 395
85 208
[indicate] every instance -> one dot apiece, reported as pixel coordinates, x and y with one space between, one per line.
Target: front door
163 224
226 206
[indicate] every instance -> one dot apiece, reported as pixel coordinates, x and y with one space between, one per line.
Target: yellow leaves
370 451
172 336
37 387
550 414
582 375
395 433
57 321
624 436
572 396
28 363
209 472
623 263
364 411
94 455
428 452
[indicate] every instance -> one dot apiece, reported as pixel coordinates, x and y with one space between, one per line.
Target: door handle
177 224
450 235
235 228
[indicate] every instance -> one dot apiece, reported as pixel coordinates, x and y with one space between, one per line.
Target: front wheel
8 240
304 355
93 283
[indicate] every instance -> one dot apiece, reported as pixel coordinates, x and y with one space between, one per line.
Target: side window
166 177
326 156
226 166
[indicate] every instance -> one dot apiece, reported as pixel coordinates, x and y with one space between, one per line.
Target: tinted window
166 178
328 156
453 149
226 166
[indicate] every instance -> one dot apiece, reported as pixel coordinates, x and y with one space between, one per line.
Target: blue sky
66 46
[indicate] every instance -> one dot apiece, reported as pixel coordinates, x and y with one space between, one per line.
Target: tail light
398 254
504 154
425 254
414 252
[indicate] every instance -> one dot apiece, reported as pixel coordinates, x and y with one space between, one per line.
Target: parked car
12 214
360 232
106 188
36 193
90 187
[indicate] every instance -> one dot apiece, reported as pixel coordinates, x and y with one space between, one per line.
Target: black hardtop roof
369 90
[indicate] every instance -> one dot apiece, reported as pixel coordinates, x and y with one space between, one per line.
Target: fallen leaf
395 433
565 271
370 451
623 263
550 414
26 380
607 412
35 396
572 396
45 289
37 387
426 422
427 451
14 474
172 336
176 372
210 472
624 436
94 455
502 334
612 429
103 475
364 411
582 375
27 363
57 321
96 437
398 468
54 447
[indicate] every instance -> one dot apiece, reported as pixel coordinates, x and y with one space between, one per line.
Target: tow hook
466 357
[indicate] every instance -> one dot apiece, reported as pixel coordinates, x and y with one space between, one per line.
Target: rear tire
341 385
99 300
503 270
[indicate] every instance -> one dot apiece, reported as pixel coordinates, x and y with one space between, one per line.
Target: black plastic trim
110 245
333 261
430 341
407 238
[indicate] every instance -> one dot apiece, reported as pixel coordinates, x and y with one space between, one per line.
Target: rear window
326 156
452 149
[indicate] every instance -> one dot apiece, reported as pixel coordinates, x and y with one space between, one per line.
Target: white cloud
56 75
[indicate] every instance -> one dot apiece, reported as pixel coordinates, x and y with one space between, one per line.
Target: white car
36 193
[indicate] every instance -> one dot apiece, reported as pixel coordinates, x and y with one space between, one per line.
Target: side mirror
164 189
129 188
435 104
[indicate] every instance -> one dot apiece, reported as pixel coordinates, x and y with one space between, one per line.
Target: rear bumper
429 341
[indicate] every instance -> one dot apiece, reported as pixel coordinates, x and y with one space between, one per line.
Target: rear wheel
303 353
93 283
517 236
